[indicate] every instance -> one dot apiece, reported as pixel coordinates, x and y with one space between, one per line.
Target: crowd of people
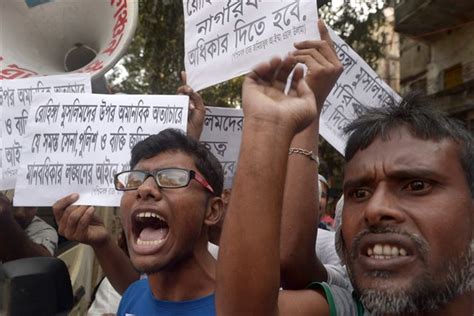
400 243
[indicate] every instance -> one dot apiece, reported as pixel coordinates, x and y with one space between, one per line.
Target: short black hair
419 114
170 140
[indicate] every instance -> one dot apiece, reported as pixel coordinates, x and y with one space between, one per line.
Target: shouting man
171 196
408 217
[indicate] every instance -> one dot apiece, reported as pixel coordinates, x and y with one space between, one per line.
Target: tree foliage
358 26
154 58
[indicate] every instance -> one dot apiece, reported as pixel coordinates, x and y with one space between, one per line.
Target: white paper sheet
225 39
222 134
16 96
77 143
358 85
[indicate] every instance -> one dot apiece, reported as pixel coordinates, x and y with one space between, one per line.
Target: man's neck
192 279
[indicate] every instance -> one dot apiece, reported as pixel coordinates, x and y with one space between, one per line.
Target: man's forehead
402 151
166 159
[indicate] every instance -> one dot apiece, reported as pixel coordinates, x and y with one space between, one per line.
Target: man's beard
427 293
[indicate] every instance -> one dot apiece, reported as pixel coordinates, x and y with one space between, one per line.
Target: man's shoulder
135 295
43 234
139 286
341 300
38 225
324 234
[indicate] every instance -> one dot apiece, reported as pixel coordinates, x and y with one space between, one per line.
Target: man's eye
134 182
360 194
417 185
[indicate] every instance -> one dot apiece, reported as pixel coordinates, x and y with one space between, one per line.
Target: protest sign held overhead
236 35
357 86
77 143
16 97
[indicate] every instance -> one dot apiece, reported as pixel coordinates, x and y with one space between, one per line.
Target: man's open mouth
150 228
386 251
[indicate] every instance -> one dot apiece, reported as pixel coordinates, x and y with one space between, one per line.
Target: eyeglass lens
168 178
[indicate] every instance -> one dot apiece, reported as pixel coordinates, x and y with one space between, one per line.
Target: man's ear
214 211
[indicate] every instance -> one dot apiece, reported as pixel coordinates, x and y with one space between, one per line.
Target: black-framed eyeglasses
171 178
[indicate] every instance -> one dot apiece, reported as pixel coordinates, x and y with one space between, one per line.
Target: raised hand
264 98
197 110
78 222
324 67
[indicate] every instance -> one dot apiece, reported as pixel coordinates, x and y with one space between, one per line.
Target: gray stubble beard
426 294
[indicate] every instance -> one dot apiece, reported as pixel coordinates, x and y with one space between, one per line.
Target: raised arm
197 110
79 223
14 243
250 240
299 263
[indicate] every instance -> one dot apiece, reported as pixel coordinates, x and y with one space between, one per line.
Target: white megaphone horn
47 37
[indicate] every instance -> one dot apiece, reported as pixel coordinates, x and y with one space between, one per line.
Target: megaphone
46 37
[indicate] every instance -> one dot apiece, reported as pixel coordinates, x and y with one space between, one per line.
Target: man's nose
149 188
383 208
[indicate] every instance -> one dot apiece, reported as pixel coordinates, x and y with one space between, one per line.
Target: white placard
222 134
16 96
77 143
225 39
358 85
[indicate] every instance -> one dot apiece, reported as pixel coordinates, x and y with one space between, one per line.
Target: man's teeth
379 251
148 242
150 214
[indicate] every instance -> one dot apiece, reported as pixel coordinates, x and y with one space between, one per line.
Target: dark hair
170 140
418 114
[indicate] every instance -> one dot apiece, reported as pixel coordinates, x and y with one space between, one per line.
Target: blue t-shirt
138 300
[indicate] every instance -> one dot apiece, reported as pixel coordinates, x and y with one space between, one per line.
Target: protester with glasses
171 196
81 224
